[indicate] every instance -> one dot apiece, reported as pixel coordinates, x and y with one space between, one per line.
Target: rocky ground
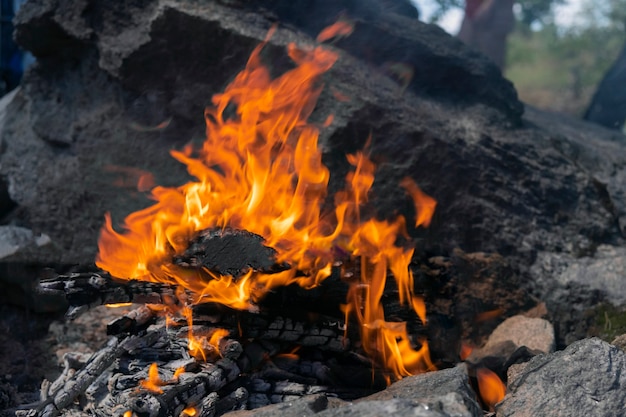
116 86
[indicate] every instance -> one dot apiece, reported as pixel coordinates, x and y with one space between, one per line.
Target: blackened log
229 252
132 322
63 394
236 400
84 290
191 389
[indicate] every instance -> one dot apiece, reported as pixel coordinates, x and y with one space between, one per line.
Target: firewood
190 390
236 400
229 252
132 321
73 382
84 290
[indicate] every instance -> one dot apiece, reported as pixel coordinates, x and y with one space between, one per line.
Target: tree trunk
486 25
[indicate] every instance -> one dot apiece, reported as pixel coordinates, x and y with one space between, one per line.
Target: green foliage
608 322
560 68
536 11
529 11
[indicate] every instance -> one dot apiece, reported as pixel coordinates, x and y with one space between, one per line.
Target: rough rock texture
586 379
515 341
119 84
445 393
430 388
15 238
302 407
535 334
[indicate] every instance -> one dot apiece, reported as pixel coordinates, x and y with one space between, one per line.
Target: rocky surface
444 393
586 379
118 85
534 333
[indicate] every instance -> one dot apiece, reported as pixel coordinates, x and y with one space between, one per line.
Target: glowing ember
118 305
154 381
465 351
188 412
491 388
260 170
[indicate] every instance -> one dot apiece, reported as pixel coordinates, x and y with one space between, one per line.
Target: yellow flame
260 169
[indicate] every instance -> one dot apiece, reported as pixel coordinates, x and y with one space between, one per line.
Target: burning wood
259 191
251 224
229 252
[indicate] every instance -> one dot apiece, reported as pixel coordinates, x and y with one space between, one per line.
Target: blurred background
567 56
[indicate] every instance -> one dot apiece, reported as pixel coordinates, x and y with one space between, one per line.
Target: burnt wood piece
236 400
132 322
324 333
229 252
191 389
85 290
70 385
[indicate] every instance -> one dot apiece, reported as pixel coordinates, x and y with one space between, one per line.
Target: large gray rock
109 72
446 391
586 379
400 408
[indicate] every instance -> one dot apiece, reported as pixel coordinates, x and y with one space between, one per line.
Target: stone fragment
515 340
392 407
588 378
534 333
15 238
434 389
603 270
620 342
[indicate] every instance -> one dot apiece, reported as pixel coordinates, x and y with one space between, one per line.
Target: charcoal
229 252
132 322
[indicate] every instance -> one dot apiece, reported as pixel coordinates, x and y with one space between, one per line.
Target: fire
188 412
490 386
339 29
154 381
260 170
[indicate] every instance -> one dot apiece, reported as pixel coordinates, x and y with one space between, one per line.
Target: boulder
118 85
586 379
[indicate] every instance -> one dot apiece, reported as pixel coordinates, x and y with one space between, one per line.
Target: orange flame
465 351
489 315
424 204
118 305
260 169
490 386
154 381
188 412
339 29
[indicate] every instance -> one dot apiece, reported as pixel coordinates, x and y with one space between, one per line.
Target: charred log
84 290
230 252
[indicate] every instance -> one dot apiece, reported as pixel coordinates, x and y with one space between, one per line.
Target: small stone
620 342
534 333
